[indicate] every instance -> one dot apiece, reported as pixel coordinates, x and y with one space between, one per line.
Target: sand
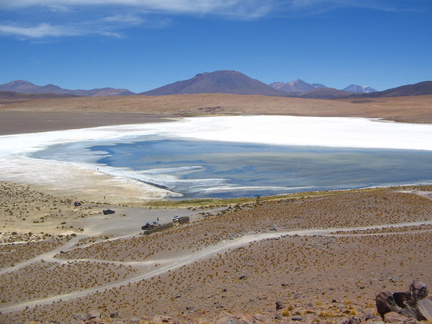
324 256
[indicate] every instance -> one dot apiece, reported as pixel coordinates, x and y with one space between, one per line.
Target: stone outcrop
415 303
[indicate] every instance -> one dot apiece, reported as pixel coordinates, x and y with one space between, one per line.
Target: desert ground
309 257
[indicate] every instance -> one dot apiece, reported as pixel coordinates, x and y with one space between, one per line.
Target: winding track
165 265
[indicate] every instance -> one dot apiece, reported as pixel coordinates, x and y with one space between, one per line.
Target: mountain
324 93
295 86
28 87
359 89
232 82
417 89
299 86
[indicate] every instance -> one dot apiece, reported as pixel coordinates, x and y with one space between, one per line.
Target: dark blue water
199 169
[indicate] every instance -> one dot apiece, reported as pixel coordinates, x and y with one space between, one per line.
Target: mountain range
28 87
231 82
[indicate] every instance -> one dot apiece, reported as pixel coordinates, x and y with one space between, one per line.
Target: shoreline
101 183
23 122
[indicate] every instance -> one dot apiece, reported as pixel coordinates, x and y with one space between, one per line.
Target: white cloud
41 30
242 8
86 17
316 6
47 30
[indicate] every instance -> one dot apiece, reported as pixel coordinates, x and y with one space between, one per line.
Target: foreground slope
323 257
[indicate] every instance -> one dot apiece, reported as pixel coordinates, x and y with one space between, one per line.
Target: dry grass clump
13 253
341 273
348 209
45 279
321 276
26 209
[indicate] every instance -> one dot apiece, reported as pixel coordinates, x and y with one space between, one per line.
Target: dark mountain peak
222 81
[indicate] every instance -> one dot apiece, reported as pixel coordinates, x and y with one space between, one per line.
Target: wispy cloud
317 6
219 7
74 17
60 18
47 30
41 30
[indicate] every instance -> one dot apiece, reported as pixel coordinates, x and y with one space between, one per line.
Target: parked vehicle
108 211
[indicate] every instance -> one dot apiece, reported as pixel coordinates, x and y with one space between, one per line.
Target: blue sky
143 44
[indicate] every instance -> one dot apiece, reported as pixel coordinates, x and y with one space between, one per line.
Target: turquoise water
200 169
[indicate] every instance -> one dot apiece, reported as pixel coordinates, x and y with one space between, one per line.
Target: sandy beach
322 256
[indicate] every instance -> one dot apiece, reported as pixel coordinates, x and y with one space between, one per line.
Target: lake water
203 169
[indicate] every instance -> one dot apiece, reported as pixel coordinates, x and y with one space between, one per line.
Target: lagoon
215 169
223 156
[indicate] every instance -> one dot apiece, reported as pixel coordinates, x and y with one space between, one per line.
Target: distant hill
11 95
417 89
28 87
231 82
224 81
299 86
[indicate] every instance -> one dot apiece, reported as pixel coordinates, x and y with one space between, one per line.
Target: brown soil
324 256
66 113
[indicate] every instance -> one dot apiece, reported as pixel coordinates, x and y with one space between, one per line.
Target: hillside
417 89
305 258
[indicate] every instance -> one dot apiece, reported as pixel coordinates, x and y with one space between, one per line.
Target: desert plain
313 257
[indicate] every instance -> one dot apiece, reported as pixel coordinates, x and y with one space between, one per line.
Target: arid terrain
18 116
308 258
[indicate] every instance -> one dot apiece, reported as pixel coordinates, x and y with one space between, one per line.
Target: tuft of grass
285 313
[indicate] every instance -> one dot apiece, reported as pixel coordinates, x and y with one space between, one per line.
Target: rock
385 303
414 303
79 317
93 314
226 318
163 319
394 317
114 315
279 305
425 308
350 320
418 290
96 320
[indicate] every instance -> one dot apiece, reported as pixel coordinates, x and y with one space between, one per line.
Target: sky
144 44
